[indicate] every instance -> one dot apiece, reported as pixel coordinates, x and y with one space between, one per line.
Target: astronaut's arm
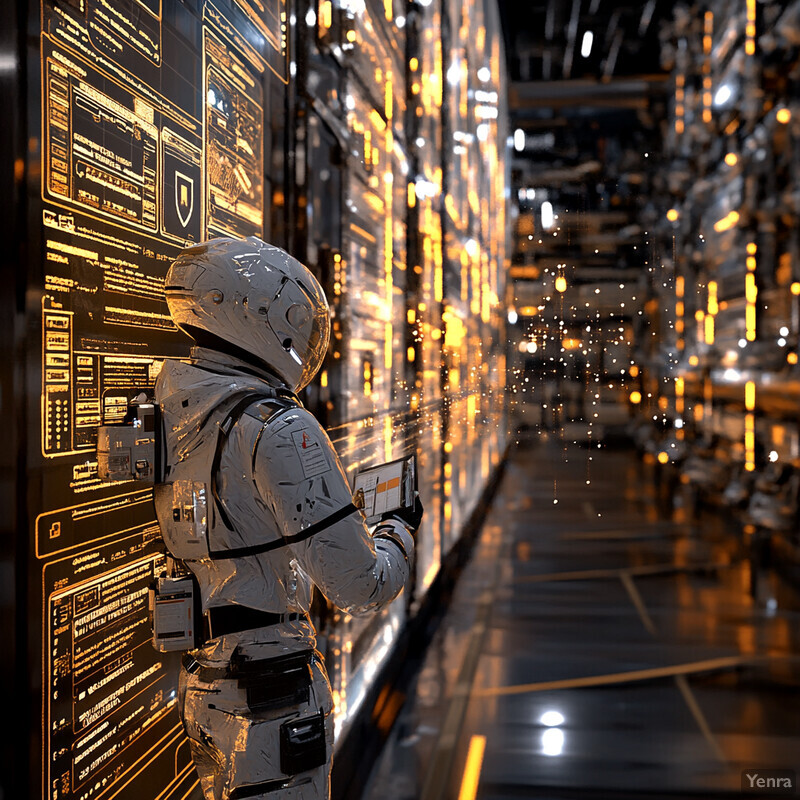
300 478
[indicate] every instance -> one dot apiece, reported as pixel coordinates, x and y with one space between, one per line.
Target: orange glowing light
709 329
727 222
325 15
783 115
750 395
672 215
636 398
472 769
663 457
731 159
713 304
750 288
561 284
791 358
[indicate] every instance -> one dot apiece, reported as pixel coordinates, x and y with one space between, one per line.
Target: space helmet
253 301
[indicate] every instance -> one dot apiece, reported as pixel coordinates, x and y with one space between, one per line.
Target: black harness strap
225 428
306 533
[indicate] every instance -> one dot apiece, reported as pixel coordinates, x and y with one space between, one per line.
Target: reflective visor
317 344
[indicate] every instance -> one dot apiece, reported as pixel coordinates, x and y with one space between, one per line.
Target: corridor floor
599 645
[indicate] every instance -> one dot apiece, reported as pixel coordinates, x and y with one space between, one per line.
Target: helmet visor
317 345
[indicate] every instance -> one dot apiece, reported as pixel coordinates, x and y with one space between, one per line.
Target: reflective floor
600 643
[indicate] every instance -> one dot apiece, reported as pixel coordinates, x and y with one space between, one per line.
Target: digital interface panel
152 115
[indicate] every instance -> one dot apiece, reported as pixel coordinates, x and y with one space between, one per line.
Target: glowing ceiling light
586 45
672 215
548 217
724 93
783 115
484 74
454 73
519 140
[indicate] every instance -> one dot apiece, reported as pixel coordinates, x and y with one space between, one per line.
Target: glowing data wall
152 137
368 138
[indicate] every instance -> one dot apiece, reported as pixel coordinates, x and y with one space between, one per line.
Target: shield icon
184 197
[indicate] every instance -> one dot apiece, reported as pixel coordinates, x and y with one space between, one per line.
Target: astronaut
257 505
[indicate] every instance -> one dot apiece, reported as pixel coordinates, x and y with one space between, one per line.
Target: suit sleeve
299 476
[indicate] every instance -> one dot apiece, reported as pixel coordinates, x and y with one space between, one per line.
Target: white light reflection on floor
553 742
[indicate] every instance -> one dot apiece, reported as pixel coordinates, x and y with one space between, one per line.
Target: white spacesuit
256 503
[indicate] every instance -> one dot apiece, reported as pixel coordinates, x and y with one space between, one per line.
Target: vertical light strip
749 426
708 29
679 310
749 442
680 108
388 245
750 396
713 303
750 29
750 292
713 308
709 329
472 769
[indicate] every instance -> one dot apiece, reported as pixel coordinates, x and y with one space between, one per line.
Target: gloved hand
410 517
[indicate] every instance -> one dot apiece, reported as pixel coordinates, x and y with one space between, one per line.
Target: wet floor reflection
623 651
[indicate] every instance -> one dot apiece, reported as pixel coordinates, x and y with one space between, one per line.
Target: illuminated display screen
152 138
